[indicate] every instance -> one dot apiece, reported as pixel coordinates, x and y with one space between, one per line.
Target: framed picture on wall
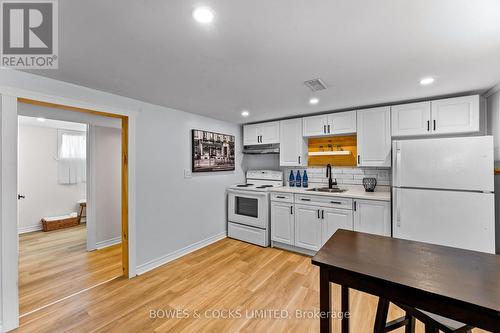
212 151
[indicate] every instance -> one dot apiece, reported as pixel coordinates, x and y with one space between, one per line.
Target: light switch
187 173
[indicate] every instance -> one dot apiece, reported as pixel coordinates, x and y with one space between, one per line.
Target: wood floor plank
227 275
56 264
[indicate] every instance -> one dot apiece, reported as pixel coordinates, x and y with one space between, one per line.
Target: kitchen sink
328 190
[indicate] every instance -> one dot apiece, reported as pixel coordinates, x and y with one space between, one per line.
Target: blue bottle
291 179
305 180
298 181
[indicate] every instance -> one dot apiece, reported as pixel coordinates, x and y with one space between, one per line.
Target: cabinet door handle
428 125
328 128
318 214
291 210
322 214
280 197
305 199
324 129
359 159
434 124
355 206
299 159
336 202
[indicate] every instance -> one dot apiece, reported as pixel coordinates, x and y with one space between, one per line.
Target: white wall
107 175
493 103
172 212
38 179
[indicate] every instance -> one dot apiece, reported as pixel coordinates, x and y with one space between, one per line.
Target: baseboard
107 243
141 269
30 228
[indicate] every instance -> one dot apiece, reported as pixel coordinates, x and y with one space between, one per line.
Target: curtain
72 155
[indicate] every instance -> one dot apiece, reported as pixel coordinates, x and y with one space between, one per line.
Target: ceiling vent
315 85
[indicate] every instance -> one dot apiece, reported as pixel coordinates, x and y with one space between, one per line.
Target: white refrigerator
443 192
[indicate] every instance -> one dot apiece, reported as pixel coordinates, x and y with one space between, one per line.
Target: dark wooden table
458 284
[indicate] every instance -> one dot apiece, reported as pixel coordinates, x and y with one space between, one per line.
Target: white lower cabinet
283 224
373 217
308 227
334 219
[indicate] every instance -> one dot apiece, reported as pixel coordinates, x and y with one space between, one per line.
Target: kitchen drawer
324 201
283 197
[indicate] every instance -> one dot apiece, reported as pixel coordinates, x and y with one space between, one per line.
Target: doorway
54 262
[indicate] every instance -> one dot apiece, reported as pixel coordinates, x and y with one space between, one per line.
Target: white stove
248 206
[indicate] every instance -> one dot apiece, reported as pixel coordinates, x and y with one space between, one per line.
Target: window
72 152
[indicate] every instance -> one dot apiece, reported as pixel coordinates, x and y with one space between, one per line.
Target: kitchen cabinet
307 227
282 223
263 133
334 219
456 115
293 146
374 137
331 124
372 216
411 119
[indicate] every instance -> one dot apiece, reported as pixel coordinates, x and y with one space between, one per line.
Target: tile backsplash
344 175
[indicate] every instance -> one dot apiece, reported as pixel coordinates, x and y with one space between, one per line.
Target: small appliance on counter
248 209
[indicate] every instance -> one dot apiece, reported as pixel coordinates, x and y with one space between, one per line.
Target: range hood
262 149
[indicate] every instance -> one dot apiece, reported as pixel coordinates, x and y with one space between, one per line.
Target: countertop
382 193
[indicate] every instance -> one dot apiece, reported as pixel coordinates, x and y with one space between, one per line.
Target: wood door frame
9 97
124 167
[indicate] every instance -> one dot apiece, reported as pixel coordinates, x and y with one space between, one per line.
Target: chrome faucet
331 182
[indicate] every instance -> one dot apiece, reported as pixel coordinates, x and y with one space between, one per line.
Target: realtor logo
29 34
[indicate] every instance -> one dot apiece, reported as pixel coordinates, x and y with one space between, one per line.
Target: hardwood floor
56 264
223 276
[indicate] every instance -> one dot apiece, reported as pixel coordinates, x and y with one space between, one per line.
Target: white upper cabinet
373 217
331 124
411 119
315 125
293 147
263 133
342 122
455 115
374 137
458 115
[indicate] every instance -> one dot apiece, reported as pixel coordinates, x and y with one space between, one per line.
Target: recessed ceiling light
245 113
314 101
40 119
426 81
203 15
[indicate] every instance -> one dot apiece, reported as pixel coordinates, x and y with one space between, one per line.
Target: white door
373 217
315 125
452 218
411 119
282 222
251 134
455 115
270 132
334 219
374 137
307 227
446 163
292 145
342 122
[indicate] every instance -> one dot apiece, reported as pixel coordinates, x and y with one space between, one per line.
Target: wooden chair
433 323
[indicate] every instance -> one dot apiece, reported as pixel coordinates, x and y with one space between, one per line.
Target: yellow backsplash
347 143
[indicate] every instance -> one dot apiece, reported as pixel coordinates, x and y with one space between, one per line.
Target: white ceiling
257 54
59 124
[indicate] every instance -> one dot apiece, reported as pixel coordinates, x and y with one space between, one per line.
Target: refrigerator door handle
397 164
397 204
